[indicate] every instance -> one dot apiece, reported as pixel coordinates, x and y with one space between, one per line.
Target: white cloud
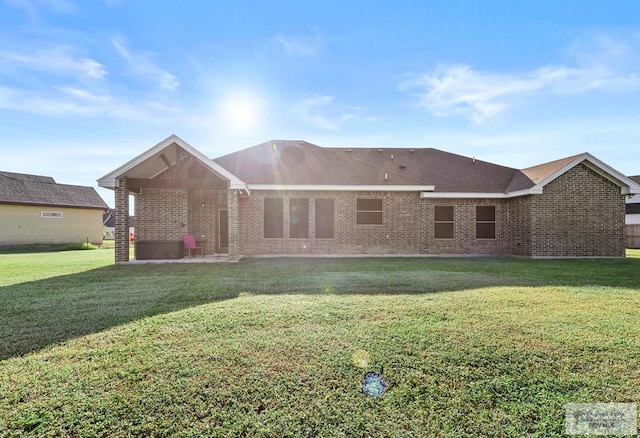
321 112
56 59
66 101
299 45
599 64
141 65
32 7
306 108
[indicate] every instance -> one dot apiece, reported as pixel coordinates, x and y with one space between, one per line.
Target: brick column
122 221
234 241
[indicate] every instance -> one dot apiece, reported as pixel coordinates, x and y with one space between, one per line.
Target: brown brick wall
580 214
166 214
407 227
122 222
233 201
203 206
464 240
519 225
161 214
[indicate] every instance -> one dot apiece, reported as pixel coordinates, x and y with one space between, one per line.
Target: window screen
273 218
369 211
298 218
325 218
443 227
485 222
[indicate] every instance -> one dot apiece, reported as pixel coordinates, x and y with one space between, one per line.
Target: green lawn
468 346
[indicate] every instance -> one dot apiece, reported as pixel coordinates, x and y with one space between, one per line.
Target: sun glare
241 112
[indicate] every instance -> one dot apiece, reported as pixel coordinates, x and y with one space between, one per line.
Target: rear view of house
295 198
35 209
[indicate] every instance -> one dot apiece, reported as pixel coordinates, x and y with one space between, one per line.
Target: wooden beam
145 183
166 161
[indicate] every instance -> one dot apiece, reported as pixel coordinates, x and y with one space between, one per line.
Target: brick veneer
407 226
161 214
234 230
579 214
122 221
203 210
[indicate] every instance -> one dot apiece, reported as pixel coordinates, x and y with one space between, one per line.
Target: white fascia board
467 195
454 195
110 180
633 189
340 188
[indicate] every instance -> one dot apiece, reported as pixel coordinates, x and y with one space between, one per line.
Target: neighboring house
35 209
632 219
293 197
109 221
633 205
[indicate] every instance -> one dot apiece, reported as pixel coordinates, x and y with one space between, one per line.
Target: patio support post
234 243
122 221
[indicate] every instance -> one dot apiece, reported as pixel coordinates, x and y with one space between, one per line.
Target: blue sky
87 85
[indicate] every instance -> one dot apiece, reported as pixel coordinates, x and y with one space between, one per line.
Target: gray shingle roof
541 171
19 188
299 162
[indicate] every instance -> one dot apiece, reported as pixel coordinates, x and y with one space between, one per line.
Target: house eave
45 205
480 195
341 188
627 186
111 180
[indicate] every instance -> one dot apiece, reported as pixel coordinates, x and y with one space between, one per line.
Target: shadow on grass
44 312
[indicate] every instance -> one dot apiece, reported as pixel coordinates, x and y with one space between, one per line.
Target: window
273 218
324 218
298 218
369 212
51 214
633 209
443 222
485 222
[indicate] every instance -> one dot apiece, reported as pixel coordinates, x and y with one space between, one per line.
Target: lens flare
361 358
374 385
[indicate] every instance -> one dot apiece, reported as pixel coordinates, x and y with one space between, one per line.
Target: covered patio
177 191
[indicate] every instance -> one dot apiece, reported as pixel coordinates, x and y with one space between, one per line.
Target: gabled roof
159 158
543 174
24 189
299 165
635 179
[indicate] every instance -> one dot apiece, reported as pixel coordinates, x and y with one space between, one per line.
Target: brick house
296 198
633 205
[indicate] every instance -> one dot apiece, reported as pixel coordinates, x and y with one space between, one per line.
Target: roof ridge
32 177
567 158
373 165
541 171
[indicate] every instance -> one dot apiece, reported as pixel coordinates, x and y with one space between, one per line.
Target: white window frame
49 214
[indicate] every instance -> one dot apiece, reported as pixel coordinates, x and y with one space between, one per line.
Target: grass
469 347
42 248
